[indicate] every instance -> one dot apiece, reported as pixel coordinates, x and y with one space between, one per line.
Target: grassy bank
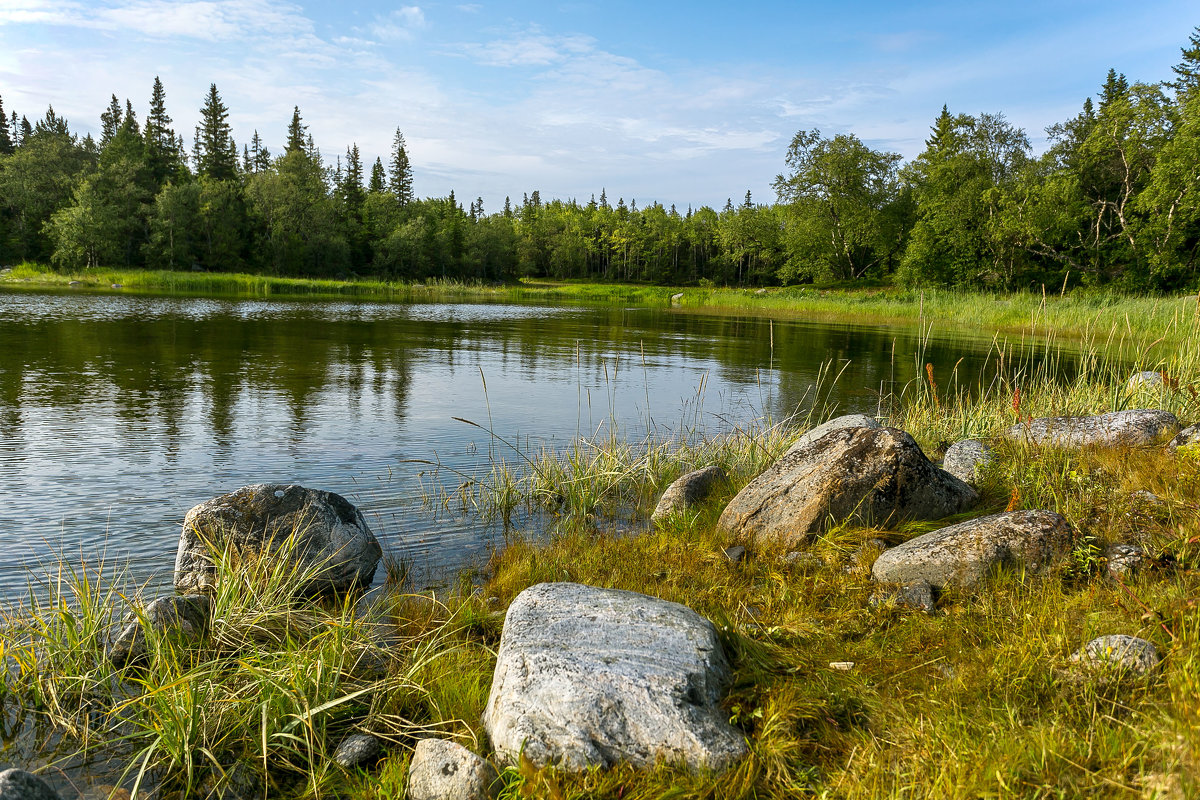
1080 315
975 700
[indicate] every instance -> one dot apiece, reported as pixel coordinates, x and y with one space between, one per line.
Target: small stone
735 554
966 459
1124 560
17 784
917 596
186 615
803 560
445 770
359 750
1119 653
1187 437
841 666
1144 380
688 491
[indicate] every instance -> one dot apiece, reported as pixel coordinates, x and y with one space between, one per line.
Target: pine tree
748 203
942 130
247 164
1187 84
603 198
163 153
478 206
351 183
110 122
296 141
507 207
14 129
378 183
26 129
6 142
401 171
215 153
131 119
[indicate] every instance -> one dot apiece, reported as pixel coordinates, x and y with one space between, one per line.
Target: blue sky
686 103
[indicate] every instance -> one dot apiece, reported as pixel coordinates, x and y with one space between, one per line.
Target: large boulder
1132 428
870 476
963 554
321 533
593 677
688 491
186 616
836 424
444 770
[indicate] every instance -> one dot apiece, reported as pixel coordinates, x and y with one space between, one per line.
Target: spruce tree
378 183
1187 84
162 149
216 154
260 156
1115 86
6 142
110 122
26 129
296 140
401 171
352 180
14 129
131 119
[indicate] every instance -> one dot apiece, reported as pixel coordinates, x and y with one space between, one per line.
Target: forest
1113 201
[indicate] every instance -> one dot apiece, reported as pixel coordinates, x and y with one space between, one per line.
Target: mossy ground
975 700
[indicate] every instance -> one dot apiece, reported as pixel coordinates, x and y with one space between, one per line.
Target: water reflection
117 414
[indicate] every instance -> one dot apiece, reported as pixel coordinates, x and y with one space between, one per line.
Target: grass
976 700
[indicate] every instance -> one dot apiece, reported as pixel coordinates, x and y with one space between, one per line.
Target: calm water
119 413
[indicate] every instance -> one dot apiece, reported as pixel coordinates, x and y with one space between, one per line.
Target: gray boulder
1118 653
445 770
836 424
688 491
966 459
1131 428
592 677
1185 438
869 476
917 596
963 554
17 784
185 615
359 750
322 534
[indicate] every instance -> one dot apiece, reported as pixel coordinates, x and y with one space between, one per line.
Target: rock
75 283
587 676
1124 560
185 615
688 491
869 476
917 596
966 459
1132 428
1144 380
238 782
17 784
359 750
676 298
1185 438
735 554
118 286
445 770
841 666
803 560
963 554
1118 653
835 424
332 541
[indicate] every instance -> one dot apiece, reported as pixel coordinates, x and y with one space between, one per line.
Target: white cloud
529 49
400 24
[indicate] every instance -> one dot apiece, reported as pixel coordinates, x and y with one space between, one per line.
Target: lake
118 413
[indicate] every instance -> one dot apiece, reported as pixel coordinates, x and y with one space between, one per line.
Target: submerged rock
1118 653
445 770
1131 428
966 459
185 615
593 677
963 554
869 476
320 533
17 784
688 491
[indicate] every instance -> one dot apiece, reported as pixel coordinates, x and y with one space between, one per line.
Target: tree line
1114 200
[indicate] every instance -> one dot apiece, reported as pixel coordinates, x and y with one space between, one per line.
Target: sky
685 103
